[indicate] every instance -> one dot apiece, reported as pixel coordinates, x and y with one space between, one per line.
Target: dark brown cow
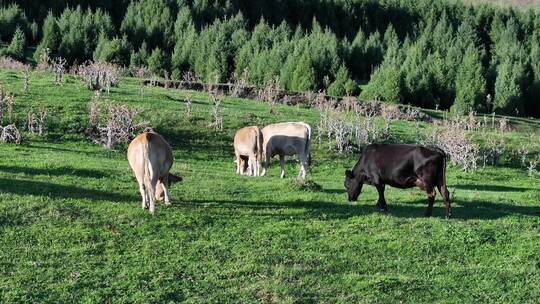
400 166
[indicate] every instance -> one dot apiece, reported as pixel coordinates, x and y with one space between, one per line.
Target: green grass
72 230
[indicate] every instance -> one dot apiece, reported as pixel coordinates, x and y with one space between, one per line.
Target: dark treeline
423 52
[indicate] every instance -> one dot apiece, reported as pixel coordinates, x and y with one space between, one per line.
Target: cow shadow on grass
56 191
58 171
463 210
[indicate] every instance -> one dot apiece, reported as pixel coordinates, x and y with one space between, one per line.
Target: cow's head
170 180
353 184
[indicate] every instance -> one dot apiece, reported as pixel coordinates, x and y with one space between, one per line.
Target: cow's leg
144 196
446 198
282 164
265 164
164 185
253 165
431 198
142 190
381 203
238 163
303 165
152 194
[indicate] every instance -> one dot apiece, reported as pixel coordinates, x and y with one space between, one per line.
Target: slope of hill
72 230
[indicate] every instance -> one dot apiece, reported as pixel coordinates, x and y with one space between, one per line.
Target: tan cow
247 144
150 158
288 138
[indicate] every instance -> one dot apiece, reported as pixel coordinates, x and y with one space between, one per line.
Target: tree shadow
463 210
58 171
56 191
492 188
202 143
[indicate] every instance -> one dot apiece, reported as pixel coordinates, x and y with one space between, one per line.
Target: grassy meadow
72 229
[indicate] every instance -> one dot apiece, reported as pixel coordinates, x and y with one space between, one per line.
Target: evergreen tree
303 77
117 51
16 47
139 58
508 88
158 62
342 85
470 84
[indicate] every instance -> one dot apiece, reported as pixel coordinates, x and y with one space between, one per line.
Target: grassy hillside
516 3
72 230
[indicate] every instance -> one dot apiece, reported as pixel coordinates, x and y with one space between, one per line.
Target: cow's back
152 146
286 138
245 140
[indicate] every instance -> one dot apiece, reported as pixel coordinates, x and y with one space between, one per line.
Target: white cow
150 158
247 144
288 138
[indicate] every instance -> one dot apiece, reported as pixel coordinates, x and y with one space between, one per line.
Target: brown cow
247 144
150 158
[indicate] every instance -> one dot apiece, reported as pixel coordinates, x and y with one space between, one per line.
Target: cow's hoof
383 210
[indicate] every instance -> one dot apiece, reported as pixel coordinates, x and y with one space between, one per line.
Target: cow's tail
308 144
147 179
259 139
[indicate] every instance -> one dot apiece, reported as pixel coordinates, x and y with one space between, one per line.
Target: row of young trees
427 53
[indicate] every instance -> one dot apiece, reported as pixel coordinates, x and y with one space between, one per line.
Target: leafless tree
531 168
141 73
270 93
99 75
11 64
10 102
452 138
239 84
10 133
217 118
26 79
121 126
189 106
58 67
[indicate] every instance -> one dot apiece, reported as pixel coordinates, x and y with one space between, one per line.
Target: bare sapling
492 152
270 93
531 167
11 64
10 102
26 79
99 75
58 67
141 73
189 107
10 134
217 118
452 138
240 83
121 123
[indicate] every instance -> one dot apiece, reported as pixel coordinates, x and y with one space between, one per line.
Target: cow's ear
349 173
174 178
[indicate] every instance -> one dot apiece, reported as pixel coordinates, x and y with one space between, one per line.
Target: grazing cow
288 138
400 166
247 144
150 158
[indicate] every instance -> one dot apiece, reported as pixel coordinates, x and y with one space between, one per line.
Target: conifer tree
16 47
470 84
